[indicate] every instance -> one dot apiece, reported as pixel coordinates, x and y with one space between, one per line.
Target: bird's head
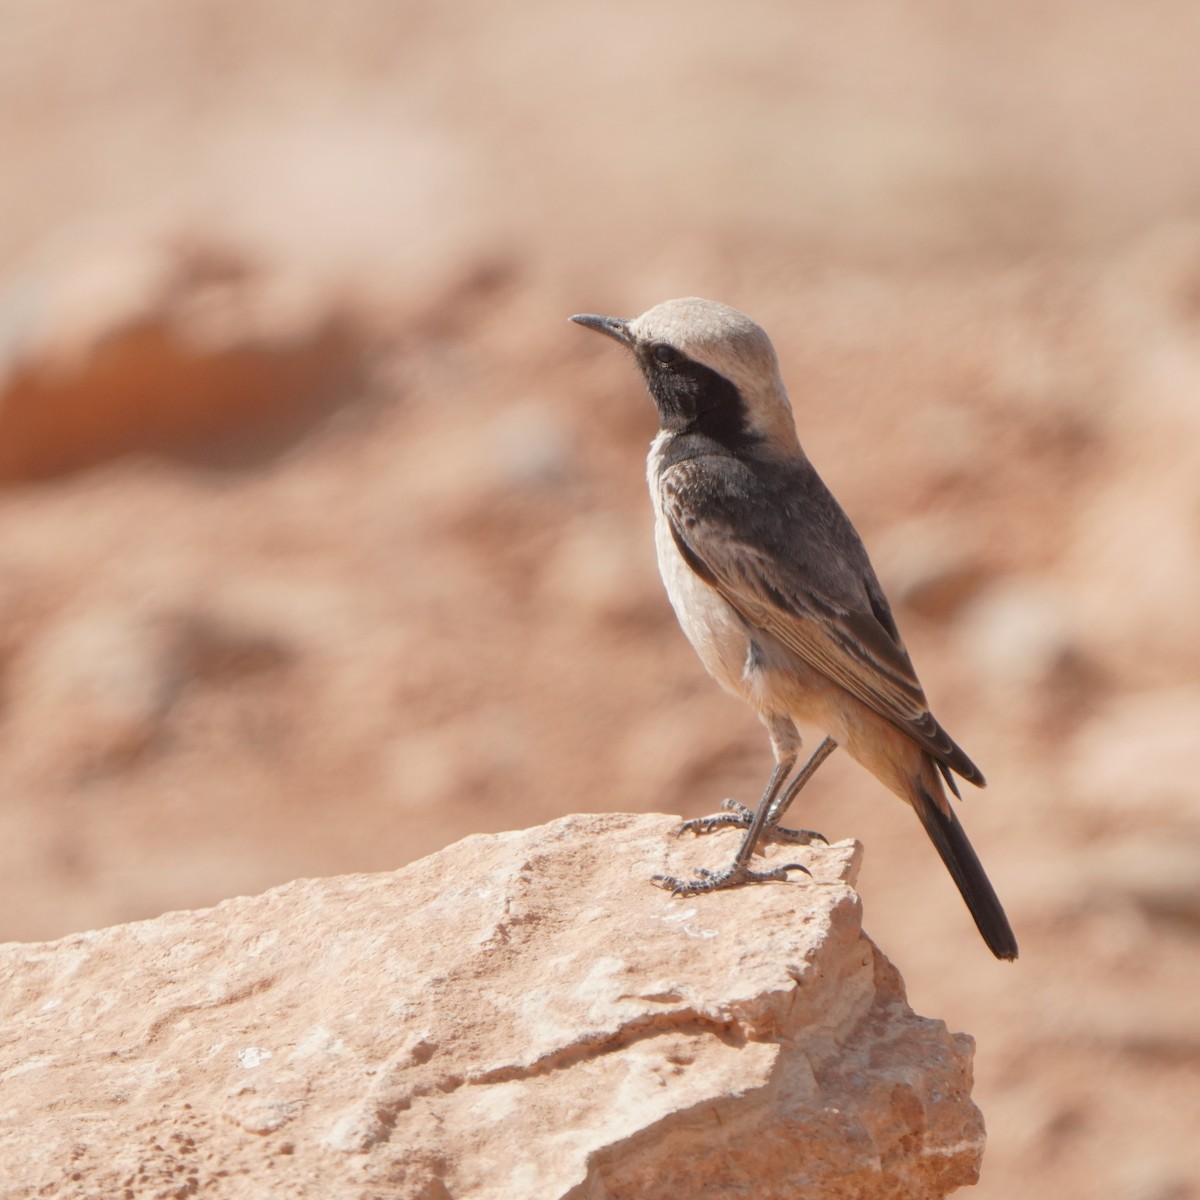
710 369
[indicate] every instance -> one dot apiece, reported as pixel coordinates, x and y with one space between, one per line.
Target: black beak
616 328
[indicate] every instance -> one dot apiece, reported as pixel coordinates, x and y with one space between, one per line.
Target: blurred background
324 538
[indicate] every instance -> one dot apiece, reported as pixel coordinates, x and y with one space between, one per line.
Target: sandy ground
324 538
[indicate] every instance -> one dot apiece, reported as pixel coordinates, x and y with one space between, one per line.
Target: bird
773 588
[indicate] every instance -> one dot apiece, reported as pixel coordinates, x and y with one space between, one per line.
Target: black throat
693 399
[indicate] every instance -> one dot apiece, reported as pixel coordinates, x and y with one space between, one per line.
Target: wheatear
773 588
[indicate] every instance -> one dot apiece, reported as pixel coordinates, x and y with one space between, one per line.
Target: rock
1137 754
931 566
1160 880
519 1015
93 693
604 570
184 352
528 447
1020 634
1133 567
95 689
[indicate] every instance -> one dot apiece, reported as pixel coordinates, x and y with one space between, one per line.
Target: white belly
716 632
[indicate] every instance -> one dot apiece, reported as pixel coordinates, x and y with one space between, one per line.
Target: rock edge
518 1015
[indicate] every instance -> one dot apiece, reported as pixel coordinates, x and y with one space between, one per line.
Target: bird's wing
807 582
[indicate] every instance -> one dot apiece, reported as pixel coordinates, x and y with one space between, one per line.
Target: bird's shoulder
778 508
708 475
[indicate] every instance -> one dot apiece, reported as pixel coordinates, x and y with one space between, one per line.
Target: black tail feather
948 777
950 840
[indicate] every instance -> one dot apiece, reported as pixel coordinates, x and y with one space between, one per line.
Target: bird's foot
798 837
732 876
738 816
735 816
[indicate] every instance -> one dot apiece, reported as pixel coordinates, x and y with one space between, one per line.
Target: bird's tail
950 839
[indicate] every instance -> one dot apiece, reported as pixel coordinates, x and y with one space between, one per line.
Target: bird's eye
665 354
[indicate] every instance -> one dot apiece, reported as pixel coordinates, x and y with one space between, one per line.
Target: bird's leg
738 816
738 872
775 830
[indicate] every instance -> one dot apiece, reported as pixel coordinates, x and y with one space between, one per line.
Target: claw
712 881
801 837
677 887
797 867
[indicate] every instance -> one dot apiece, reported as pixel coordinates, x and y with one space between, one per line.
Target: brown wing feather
847 644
